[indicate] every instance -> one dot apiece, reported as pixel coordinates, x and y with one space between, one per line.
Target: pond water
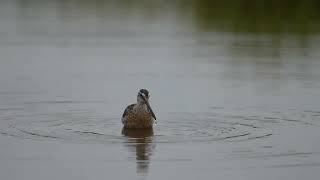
235 87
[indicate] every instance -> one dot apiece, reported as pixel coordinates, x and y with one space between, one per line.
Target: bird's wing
127 110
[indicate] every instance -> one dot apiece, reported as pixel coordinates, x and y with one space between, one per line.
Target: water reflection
257 17
140 143
254 28
240 16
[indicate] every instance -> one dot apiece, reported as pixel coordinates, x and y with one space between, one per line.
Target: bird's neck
141 106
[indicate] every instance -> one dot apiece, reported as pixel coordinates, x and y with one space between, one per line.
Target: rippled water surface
237 95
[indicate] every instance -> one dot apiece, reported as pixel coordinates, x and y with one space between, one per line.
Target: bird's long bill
149 107
154 116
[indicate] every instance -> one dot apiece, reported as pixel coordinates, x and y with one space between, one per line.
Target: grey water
235 87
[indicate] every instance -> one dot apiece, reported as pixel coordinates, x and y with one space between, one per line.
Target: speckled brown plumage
137 116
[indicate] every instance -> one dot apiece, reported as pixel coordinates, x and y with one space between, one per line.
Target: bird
139 115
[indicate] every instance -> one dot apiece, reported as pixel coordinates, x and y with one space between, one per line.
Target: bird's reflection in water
140 142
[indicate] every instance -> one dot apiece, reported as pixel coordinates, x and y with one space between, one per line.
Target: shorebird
139 115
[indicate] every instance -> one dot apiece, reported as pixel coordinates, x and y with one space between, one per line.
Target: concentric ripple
220 124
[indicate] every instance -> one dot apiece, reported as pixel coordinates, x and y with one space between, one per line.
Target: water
235 89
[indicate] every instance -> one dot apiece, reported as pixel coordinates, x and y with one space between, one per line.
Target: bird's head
143 98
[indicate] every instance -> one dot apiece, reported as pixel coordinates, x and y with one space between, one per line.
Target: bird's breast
139 118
